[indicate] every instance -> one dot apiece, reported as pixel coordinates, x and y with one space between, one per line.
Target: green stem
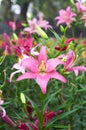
62 93
69 126
65 31
73 31
2 59
42 100
4 79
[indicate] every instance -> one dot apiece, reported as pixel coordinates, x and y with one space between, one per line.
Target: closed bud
41 32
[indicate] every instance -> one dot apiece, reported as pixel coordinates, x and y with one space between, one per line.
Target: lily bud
41 32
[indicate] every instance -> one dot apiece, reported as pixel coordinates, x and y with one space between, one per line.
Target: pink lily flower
18 66
43 23
65 16
41 69
69 60
34 22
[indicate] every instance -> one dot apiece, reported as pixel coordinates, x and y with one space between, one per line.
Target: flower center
64 59
66 17
42 66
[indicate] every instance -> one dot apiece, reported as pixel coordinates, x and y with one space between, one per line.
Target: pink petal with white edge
42 55
42 80
52 63
11 76
27 75
16 66
76 72
70 59
31 64
58 76
3 110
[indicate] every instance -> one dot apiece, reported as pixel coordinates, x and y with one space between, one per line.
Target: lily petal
52 63
75 71
3 111
42 54
79 68
31 64
42 81
27 75
58 76
12 74
70 59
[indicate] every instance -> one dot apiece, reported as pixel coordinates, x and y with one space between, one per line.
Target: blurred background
17 10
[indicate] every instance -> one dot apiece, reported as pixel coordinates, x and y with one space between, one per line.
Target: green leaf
49 98
2 59
59 126
56 35
33 104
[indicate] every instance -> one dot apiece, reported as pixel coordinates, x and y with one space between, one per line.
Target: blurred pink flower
13 25
23 43
16 46
65 16
41 69
84 18
37 22
6 44
32 26
43 23
80 7
69 60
